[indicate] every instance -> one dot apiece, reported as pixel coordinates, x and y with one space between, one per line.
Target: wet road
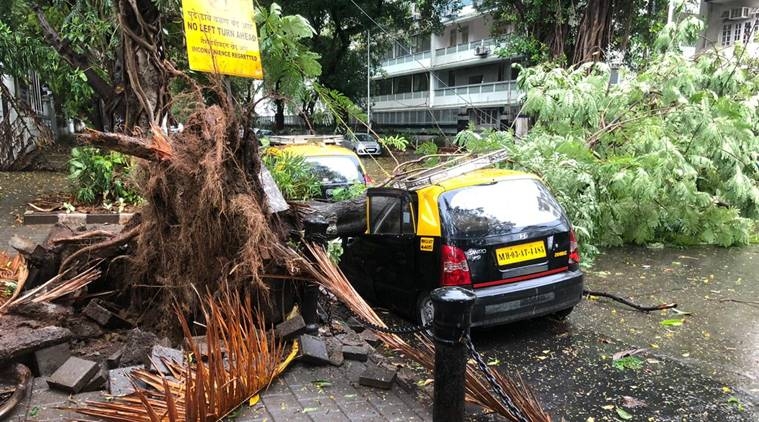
706 369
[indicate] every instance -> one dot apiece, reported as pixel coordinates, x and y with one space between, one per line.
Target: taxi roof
317 149
479 177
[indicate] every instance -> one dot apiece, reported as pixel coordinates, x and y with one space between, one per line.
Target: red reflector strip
521 277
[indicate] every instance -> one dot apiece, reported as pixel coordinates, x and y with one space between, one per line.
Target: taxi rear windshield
336 169
499 208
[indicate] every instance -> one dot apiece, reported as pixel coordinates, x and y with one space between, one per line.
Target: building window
726 33
464 34
737 29
421 82
402 84
452 39
451 78
475 79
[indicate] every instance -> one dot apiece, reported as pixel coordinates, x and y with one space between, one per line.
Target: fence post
452 319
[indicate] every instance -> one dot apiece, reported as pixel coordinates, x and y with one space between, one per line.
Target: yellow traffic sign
221 37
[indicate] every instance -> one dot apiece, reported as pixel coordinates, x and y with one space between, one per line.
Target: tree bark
124 144
593 32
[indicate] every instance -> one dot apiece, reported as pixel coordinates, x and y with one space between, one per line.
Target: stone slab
291 328
378 377
73 375
97 382
313 349
20 336
114 360
96 312
371 338
335 351
159 354
49 359
357 353
119 383
355 324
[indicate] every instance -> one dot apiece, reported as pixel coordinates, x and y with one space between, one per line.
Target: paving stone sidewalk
303 393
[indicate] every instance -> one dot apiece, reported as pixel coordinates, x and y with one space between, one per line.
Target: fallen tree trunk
342 219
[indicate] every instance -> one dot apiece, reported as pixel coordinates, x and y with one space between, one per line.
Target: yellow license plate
519 253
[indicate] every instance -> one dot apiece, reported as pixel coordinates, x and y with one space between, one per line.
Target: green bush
102 178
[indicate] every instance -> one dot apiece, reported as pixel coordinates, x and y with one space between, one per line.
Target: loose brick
114 360
375 376
51 358
291 328
313 349
371 338
157 356
95 311
355 325
357 353
73 375
335 351
97 382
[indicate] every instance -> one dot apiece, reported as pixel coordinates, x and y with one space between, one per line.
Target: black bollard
452 319
315 231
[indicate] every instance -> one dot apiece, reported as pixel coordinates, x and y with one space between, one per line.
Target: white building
446 80
729 22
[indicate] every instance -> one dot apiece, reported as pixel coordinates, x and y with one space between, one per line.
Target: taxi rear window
499 208
336 169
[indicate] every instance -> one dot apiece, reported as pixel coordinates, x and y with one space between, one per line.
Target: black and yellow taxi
500 233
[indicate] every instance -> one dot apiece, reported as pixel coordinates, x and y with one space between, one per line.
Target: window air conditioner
739 13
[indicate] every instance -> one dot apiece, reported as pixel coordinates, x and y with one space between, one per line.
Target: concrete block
73 375
313 349
97 382
355 324
95 311
335 351
114 360
357 353
159 354
371 338
20 336
119 383
51 358
290 328
378 377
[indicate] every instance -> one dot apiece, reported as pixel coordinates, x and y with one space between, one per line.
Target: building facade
444 81
729 22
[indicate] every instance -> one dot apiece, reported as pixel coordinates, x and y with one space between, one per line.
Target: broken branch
628 303
121 143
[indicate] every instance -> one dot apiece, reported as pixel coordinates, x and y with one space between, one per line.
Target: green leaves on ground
674 322
628 362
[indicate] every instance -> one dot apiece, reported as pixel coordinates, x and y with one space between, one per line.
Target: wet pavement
19 188
706 369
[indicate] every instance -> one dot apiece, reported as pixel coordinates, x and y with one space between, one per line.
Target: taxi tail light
455 271
368 179
574 250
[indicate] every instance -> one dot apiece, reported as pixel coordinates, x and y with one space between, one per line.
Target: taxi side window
389 215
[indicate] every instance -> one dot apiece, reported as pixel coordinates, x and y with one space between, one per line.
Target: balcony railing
403 96
407 58
486 43
476 89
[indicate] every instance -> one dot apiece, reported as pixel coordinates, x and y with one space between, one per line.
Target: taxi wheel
562 314
425 312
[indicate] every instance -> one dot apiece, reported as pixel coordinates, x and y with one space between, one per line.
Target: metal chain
493 383
403 329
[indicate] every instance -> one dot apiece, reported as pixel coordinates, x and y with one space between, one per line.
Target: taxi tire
422 303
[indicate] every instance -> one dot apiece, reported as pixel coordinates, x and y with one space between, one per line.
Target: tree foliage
667 155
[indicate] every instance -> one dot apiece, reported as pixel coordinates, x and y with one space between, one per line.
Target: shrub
102 178
293 174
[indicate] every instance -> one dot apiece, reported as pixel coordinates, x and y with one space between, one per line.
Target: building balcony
493 93
396 101
465 54
412 63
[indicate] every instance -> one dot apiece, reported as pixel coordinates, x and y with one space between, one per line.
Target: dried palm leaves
478 389
241 360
